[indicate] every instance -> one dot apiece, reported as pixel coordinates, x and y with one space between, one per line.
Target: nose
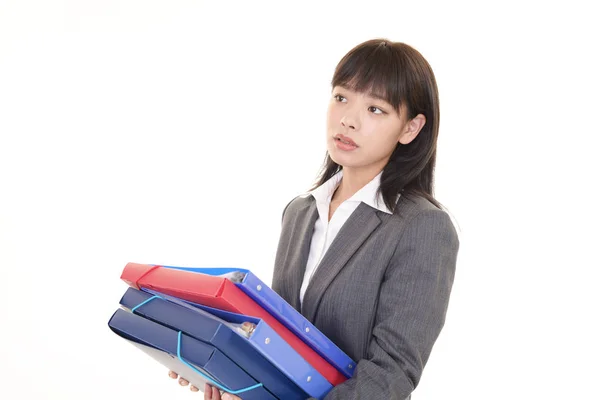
349 122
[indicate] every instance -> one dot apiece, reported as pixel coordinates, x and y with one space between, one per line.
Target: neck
352 181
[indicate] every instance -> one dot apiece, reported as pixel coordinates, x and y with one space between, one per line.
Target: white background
174 132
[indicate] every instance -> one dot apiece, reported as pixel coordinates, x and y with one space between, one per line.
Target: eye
376 110
340 98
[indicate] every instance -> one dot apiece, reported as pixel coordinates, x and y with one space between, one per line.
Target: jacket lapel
299 248
355 231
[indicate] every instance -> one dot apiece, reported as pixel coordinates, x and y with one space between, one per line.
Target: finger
173 374
216 395
194 388
207 392
183 382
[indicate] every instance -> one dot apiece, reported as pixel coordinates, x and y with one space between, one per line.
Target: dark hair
401 75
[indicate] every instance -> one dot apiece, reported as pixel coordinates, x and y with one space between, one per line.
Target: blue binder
285 313
264 355
198 362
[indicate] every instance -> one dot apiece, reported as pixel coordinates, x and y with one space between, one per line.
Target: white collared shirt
325 231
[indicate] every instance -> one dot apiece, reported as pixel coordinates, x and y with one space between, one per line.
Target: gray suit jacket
380 292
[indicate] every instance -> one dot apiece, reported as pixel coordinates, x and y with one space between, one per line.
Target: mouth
345 140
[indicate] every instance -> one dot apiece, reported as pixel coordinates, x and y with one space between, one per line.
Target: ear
412 129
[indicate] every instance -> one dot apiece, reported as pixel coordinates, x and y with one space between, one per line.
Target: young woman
368 255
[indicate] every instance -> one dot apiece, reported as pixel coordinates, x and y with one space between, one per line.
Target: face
363 131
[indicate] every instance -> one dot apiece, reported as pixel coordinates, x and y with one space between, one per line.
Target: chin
343 160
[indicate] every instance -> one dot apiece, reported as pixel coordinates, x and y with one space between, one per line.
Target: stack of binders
226 327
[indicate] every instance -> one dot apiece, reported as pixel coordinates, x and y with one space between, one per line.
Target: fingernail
226 396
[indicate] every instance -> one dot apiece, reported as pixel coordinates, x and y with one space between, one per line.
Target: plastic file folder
285 313
198 362
263 353
222 294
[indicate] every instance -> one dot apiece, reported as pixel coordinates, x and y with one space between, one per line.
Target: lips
345 140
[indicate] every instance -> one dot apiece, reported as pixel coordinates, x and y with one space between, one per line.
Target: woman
368 255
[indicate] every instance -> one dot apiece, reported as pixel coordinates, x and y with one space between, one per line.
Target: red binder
223 294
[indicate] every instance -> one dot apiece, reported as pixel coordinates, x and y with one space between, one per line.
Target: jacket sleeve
411 311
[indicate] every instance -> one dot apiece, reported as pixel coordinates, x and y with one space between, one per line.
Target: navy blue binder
267 359
190 358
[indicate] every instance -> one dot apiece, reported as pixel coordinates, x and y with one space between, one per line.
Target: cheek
383 136
372 128
334 116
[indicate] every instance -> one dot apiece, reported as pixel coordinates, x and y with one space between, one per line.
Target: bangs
376 69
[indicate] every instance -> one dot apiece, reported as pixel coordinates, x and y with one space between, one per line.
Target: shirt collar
367 194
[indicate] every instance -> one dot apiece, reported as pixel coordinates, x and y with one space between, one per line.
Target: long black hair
401 75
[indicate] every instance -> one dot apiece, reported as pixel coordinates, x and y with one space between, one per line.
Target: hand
210 392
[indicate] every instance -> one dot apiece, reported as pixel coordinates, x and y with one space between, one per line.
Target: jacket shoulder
413 211
297 203
411 205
